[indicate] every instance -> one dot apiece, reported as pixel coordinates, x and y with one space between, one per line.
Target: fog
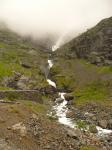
53 18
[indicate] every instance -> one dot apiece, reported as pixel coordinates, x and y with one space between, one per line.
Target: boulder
103 123
23 83
71 133
110 124
21 128
26 65
108 62
69 97
70 114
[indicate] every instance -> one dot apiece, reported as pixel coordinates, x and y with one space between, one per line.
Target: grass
36 107
95 92
14 51
14 110
98 69
10 62
5 88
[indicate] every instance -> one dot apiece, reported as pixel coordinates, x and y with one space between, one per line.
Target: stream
61 109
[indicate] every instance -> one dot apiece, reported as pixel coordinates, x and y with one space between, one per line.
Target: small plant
93 129
81 124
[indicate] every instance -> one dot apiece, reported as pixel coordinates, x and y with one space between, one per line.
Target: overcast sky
41 17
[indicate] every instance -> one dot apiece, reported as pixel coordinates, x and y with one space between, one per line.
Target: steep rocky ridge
94 45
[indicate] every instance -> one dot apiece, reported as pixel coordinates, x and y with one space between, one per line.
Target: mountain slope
74 72
94 45
22 62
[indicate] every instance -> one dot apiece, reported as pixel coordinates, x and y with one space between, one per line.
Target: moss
87 148
93 129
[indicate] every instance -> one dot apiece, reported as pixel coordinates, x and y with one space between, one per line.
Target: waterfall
60 108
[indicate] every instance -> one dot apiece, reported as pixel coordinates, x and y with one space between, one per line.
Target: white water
103 131
60 40
50 63
61 108
51 83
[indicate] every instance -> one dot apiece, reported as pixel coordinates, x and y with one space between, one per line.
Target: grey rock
71 133
108 62
59 100
110 124
70 114
103 124
25 65
22 83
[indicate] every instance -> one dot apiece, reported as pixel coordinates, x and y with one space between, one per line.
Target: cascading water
61 108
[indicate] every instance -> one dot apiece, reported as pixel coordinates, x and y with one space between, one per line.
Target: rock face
94 45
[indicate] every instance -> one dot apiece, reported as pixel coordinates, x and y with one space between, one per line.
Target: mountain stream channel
61 109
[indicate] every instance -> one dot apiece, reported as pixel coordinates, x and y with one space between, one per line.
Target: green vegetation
88 148
92 92
36 107
92 128
88 82
13 110
81 124
98 69
15 51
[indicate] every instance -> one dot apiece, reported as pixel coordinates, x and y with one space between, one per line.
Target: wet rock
59 100
103 123
70 114
69 97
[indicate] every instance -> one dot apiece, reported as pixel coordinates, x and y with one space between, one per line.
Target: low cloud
53 18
